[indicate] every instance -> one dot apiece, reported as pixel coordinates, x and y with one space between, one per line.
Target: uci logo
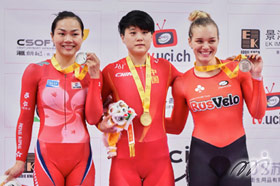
179 157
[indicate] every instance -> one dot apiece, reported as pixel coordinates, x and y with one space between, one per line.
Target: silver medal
245 65
81 58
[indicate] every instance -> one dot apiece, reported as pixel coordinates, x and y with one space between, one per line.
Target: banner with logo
245 27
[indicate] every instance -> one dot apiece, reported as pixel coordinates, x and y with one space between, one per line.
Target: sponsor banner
243 29
33 42
255 38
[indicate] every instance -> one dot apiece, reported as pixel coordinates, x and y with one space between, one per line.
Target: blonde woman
214 91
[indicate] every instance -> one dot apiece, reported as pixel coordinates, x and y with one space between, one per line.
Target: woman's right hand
257 65
15 171
104 125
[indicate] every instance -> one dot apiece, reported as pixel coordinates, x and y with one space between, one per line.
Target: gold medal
145 94
146 119
245 65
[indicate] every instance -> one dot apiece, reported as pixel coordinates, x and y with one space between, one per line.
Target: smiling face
204 43
67 37
137 41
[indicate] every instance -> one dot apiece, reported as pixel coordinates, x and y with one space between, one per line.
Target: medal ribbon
145 95
74 67
229 73
131 140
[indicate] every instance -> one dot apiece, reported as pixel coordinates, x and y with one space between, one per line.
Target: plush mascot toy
122 116
13 182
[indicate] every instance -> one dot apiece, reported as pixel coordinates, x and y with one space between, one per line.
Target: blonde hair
200 18
196 14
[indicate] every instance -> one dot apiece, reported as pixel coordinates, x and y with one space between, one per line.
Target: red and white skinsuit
216 104
63 153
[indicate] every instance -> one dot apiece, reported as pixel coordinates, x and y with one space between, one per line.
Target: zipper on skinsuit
64 97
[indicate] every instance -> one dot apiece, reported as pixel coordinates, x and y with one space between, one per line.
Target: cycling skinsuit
63 152
151 164
216 104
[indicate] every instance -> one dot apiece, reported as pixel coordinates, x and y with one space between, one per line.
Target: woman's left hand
93 64
257 65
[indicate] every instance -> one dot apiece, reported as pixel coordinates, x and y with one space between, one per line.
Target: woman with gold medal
214 92
142 82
